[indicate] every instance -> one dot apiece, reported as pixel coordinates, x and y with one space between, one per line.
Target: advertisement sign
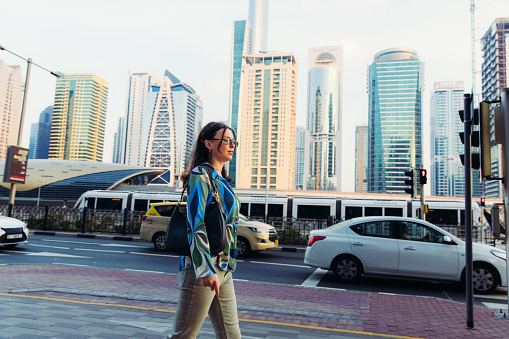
16 165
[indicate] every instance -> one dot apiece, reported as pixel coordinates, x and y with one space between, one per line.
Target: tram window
462 216
393 212
91 203
109 203
155 201
313 212
276 210
372 211
140 205
257 210
244 209
353 212
442 217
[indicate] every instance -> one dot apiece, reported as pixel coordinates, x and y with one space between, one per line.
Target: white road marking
92 243
279 264
495 306
50 254
156 255
61 248
143 271
60 263
92 250
496 297
314 279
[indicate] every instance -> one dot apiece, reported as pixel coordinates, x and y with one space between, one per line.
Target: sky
192 39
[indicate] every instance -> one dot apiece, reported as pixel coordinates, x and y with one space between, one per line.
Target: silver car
402 247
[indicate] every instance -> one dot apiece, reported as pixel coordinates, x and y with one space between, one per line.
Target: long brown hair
200 153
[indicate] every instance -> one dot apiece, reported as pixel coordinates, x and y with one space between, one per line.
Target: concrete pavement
61 301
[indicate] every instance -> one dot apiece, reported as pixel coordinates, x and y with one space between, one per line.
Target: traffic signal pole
467 123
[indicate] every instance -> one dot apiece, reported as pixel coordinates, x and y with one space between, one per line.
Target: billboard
16 165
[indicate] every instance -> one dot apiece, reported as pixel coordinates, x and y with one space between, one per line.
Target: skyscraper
142 93
259 20
361 158
40 135
10 101
118 141
267 134
79 117
395 85
494 77
447 174
241 46
324 117
302 142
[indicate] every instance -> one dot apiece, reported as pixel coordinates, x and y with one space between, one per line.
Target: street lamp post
12 194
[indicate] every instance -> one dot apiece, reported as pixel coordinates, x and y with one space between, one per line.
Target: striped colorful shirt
199 197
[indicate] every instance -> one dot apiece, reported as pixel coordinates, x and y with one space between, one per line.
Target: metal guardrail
290 230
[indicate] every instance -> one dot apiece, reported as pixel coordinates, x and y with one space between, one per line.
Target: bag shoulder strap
215 191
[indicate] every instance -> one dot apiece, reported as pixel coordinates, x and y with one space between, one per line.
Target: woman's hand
211 281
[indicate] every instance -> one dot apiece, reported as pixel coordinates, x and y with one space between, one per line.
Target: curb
299 249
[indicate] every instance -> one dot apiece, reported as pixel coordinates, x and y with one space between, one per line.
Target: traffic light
423 179
475 162
484 136
410 181
483 201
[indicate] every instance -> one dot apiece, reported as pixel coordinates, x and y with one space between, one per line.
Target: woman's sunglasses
229 141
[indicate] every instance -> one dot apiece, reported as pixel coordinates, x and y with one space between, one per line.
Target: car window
381 229
165 210
417 232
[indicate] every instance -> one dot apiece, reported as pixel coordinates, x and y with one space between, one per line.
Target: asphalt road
268 266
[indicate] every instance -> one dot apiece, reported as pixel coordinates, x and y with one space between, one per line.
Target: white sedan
12 232
402 247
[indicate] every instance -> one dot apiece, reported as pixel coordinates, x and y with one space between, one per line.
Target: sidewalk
59 301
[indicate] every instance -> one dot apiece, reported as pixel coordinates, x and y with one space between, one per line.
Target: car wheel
484 279
159 242
243 246
347 269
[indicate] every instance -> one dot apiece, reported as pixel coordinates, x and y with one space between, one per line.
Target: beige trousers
196 301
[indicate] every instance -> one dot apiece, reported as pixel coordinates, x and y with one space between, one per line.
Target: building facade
10 101
267 134
40 135
395 85
494 77
361 158
241 46
324 117
447 174
259 20
79 118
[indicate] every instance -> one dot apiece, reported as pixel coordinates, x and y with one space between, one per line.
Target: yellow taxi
251 235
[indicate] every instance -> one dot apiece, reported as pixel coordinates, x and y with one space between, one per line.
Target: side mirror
447 240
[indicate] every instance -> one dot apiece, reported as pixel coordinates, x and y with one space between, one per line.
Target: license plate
14 236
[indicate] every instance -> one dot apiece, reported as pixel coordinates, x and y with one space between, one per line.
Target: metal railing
290 230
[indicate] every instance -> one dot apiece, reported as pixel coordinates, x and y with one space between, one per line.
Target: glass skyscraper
395 85
40 135
241 46
301 156
10 105
259 20
324 117
447 174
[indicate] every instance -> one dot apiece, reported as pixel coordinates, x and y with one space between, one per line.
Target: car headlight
257 230
499 254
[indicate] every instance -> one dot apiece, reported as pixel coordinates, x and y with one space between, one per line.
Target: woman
205 280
